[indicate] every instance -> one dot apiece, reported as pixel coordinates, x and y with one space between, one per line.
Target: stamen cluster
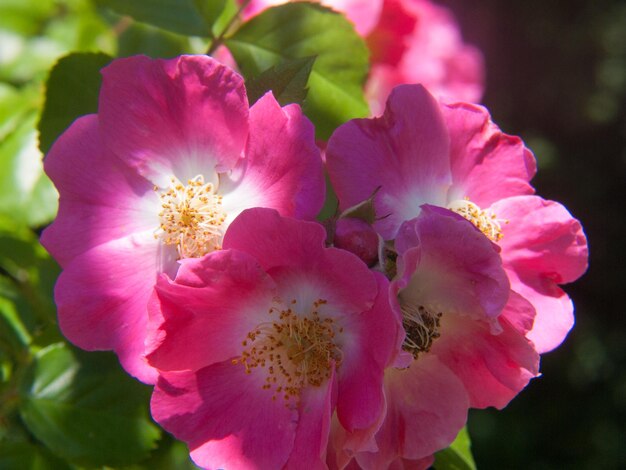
295 350
192 217
422 328
483 220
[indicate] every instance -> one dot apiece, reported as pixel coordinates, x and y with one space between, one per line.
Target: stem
217 41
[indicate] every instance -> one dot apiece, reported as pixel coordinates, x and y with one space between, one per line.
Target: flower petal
493 367
375 339
459 269
183 116
203 316
282 169
101 298
426 407
293 251
100 200
487 165
315 411
404 152
543 245
225 417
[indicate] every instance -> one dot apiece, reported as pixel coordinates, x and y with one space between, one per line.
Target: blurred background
555 75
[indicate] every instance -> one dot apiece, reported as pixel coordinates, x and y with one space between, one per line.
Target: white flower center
485 220
192 217
294 350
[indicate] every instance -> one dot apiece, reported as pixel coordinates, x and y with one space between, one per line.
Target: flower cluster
187 237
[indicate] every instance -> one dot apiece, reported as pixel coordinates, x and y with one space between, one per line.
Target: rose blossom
172 157
460 348
452 156
258 344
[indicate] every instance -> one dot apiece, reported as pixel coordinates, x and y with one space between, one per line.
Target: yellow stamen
294 350
485 220
192 217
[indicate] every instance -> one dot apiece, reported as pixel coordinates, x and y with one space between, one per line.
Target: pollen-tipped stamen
484 220
192 217
295 350
421 327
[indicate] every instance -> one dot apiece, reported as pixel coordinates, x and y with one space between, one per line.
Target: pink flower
258 344
418 41
460 349
411 41
172 157
453 156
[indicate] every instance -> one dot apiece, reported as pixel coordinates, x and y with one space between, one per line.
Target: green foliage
300 30
71 91
286 81
139 38
25 456
178 16
210 10
84 408
458 456
27 194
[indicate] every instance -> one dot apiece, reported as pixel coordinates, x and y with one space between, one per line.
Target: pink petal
541 237
375 338
315 411
293 251
282 168
445 261
419 464
437 57
487 165
543 245
405 153
426 407
100 200
418 41
203 316
364 14
554 310
101 298
494 368
181 116
225 417
519 312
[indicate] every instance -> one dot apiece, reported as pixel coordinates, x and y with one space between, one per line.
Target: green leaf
171 454
26 194
210 9
12 328
458 456
84 408
178 16
71 91
25 456
286 81
226 18
299 30
141 38
27 286
15 104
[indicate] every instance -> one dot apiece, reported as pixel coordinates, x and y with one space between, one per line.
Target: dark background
556 75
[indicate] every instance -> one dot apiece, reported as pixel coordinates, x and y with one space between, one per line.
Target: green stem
218 40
